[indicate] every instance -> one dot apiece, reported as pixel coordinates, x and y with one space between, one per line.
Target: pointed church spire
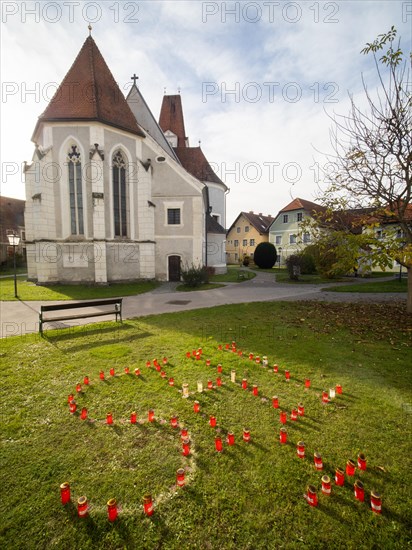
89 92
171 118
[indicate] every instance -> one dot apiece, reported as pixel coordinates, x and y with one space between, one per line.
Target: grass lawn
395 285
29 291
250 496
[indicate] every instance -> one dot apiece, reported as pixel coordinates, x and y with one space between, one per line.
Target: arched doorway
174 268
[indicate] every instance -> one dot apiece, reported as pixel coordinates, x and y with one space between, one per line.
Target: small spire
90 29
200 142
134 78
178 90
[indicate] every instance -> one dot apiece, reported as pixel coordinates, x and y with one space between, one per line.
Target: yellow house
245 233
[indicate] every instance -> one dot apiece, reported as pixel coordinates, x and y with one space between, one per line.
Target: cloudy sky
257 79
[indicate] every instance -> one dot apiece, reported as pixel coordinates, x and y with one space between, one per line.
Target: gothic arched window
119 194
75 191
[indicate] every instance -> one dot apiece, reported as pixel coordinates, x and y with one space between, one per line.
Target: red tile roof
89 92
299 204
171 118
195 162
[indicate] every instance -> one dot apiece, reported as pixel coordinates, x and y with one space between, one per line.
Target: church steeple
171 119
89 92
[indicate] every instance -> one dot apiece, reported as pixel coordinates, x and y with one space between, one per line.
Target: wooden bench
109 307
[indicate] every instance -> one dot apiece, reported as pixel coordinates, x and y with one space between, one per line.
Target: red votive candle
311 495
72 406
70 397
283 435
133 418
218 444
78 388
171 382
208 362
301 409
361 461
101 375
163 374
244 384
317 458
219 368
219 347
257 359
186 447
376 502
250 356
275 368
209 385
86 381
294 414
126 370
174 421
111 371
300 449
359 490
65 492
158 367
339 477
112 509
307 383
148 505
283 417
246 435
255 390
150 415
164 360
180 477
326 485
325 397
148 363
230 438
227 346
183 433
275 402
137 372
287 375
350 467
82 507
196 406
212 421
83 414
218 381
338 388
109 418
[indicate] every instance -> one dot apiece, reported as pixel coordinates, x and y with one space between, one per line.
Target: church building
113 195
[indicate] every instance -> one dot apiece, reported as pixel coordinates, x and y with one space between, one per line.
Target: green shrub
265 255
195 275
307 263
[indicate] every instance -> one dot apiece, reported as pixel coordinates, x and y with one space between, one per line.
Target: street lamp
280 252
14 241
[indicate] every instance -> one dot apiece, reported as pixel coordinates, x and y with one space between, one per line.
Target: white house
108 198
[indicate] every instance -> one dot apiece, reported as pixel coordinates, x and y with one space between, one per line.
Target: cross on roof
134 78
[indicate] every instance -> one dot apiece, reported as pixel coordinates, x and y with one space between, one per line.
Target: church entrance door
174 268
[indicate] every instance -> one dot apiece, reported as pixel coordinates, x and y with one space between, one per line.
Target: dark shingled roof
213 226
90 93
195 162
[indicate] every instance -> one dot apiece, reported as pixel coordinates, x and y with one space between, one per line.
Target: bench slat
78 316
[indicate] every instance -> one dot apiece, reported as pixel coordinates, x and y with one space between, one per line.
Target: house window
300 216
285 218
292 239
246 229
237 229
278 239
306 237
119 194
244 242
75 191
173 216
236 242
252 242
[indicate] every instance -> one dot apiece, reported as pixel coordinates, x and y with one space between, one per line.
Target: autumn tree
370 186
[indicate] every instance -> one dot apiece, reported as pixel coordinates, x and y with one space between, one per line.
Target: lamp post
280 253
14 241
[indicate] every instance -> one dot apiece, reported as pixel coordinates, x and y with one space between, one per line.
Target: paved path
18 318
